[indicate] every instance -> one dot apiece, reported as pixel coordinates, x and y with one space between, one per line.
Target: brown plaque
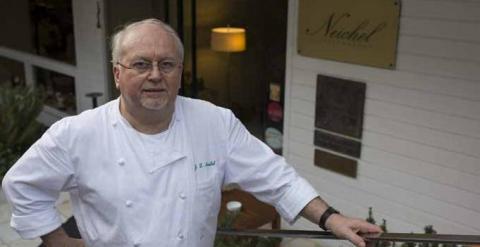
335 163
362 32
339 105
337 143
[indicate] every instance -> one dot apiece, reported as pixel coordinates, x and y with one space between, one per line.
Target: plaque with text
337 143
336 163
339 105
362 32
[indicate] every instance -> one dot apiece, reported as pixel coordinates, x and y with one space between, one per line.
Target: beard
155 102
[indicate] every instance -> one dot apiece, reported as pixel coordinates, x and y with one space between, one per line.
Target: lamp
228 39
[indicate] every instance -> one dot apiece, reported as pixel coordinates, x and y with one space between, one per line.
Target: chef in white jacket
147 168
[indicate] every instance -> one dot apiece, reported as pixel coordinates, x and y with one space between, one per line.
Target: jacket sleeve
257 169
33 184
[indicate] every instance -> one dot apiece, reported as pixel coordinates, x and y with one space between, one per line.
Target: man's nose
155 73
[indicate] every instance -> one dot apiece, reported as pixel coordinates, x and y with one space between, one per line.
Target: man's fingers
366 227
360 226
348 228
355 239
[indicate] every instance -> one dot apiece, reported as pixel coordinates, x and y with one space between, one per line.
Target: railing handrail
395 237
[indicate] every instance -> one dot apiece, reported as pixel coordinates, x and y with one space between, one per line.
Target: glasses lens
167 66
143 66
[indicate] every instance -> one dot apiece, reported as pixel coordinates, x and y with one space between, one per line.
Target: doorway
249 82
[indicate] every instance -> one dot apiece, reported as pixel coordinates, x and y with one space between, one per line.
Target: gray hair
118 36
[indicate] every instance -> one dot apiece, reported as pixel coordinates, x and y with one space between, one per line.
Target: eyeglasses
143 66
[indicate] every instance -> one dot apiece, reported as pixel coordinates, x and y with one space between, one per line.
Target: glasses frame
147 71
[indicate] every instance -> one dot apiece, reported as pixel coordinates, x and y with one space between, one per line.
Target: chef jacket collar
116 117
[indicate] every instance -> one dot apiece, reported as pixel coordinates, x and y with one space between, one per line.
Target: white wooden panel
406 180
304 107
407 154
301 135
303 92
353 209
407 114
421 186
417 134
447 29
420 154
303 122
438 9
91 52
422 100
408 159
366 192
441 209
454 169
466 89
439 66
451 106
433 47
383 198
302 76
303 150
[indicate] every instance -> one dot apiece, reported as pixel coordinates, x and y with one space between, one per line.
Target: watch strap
325 216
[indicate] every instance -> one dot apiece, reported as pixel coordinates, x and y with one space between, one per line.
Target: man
147 169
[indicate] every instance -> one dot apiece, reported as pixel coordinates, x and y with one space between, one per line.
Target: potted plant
19 108
226 222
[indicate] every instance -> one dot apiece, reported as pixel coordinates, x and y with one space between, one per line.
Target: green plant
19 108
240 241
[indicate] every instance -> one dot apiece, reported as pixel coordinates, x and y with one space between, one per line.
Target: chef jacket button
128 203
183 196
121 162
136 245
180 236
114 124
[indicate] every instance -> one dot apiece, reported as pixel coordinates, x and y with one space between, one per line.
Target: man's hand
348 228
342 226
58 238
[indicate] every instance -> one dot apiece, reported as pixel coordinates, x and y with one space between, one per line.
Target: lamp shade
228 39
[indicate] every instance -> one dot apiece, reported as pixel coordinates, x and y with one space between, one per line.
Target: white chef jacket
129 189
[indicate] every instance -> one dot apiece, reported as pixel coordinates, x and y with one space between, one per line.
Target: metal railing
370 238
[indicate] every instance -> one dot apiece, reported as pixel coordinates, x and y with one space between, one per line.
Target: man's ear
116 75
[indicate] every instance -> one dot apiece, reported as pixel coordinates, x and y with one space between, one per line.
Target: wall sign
336 163
337 143
339 123
339 105
362 32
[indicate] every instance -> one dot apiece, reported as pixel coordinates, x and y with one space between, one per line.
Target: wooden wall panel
420 160
459 10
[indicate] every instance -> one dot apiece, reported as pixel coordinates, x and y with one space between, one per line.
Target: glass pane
11 72
241 80
59 89
52 26
43 27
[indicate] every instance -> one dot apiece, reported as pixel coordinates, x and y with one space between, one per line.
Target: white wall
420 161
91 52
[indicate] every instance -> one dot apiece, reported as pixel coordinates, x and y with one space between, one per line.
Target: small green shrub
19 108
226 222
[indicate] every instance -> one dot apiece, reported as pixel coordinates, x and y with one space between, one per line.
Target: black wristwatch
324 217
